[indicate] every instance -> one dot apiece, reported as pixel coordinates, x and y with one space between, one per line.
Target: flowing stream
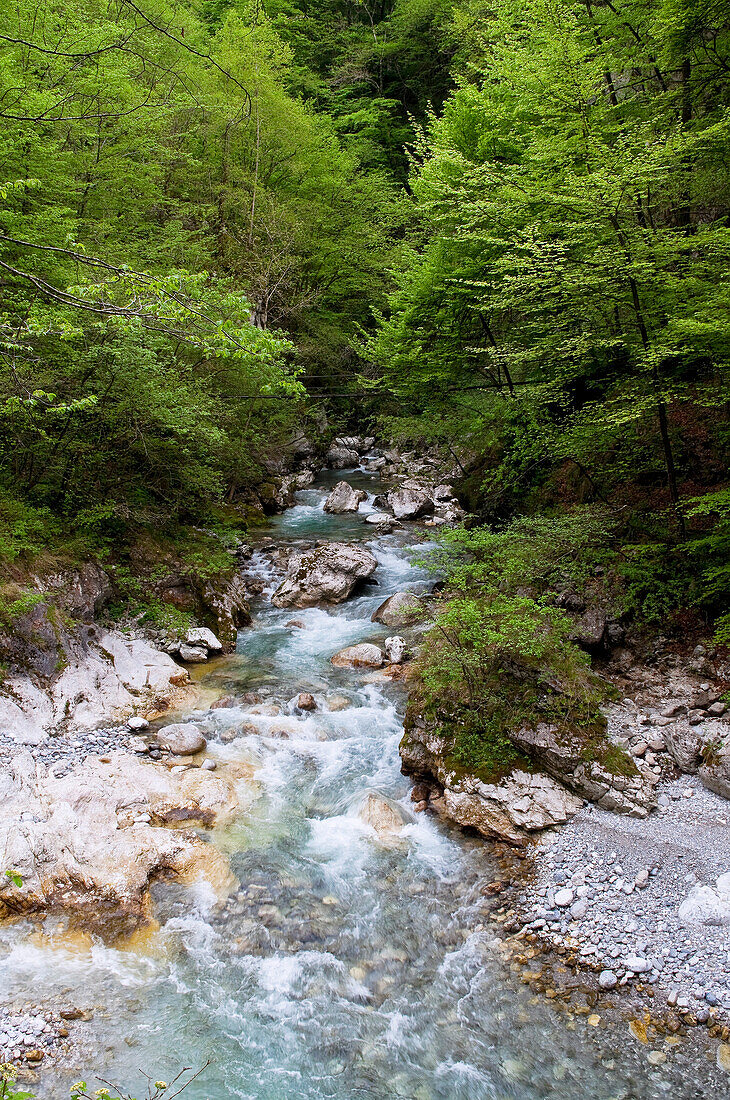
338 968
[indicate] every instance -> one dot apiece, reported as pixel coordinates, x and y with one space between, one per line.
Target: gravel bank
610 889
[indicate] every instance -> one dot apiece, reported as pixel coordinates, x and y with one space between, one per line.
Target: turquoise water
338 968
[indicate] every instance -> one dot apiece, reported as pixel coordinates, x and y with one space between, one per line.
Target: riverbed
338 968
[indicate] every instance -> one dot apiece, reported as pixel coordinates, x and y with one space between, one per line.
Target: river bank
355 952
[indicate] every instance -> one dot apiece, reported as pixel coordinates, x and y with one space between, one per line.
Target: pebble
629 928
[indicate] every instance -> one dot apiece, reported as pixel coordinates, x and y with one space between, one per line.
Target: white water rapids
338 968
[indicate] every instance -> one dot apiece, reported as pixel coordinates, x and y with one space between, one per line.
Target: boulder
363 655
192 653
395 649
326 574
684 745
342 458
399 610
344 498
385 818
380 519
410 503
201 636
443 493
338 702
707 904
182 738
714 771
81 846
306 701
589 630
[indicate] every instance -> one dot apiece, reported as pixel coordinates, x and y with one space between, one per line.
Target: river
339 968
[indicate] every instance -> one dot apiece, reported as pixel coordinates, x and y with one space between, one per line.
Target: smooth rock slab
86 843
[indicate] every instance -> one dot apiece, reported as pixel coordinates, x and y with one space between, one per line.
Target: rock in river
325 574
344 498
398 610
364 655
386 818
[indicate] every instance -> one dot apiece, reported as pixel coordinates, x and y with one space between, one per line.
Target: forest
497 228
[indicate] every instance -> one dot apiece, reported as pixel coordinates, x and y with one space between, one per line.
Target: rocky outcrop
112 679
523 803
82 591
219 602
524 800
363 655
91 842
326 574
52 618
511 809
596 771
344 498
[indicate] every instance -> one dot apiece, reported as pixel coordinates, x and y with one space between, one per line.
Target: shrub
492 665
